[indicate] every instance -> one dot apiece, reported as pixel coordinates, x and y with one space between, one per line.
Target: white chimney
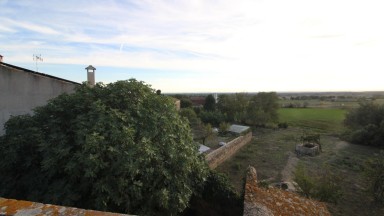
91 75
1 58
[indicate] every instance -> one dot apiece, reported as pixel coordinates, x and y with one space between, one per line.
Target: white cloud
275 44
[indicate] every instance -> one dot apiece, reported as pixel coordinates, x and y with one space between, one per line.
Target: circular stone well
310 149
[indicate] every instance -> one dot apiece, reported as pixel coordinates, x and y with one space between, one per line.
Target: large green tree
263 108
116 147
256 110
234 106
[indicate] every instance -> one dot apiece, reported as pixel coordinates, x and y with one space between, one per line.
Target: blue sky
202 45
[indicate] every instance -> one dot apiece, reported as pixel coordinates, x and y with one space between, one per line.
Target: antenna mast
37 58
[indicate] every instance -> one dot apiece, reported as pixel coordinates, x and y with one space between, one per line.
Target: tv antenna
37 58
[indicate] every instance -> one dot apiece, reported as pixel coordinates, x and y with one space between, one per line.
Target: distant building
197 101
21 90
177 103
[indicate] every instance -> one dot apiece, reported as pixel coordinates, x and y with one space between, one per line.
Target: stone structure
310 149
90 75
23 208
272 201
21 90
218 156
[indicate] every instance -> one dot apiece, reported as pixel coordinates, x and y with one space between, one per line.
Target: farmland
317 119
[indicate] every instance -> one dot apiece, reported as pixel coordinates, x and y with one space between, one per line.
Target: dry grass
270 150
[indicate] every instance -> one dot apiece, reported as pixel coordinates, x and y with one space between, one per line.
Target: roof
90 67
273 201
197 100
36 73
203 148
238 128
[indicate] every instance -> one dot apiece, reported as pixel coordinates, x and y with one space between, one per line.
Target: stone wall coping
12 207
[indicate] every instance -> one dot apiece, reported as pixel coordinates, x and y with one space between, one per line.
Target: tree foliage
234 106
218 197
263 108
214 118
210 103
190 114
116 147
366 124
259 109
185 103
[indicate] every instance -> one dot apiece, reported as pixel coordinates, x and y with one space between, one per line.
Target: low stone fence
218 156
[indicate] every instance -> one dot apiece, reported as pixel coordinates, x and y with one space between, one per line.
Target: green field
317 119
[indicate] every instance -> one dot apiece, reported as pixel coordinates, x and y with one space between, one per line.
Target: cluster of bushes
366 124
296 105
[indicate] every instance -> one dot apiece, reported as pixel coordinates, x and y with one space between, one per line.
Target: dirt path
287 172
340 145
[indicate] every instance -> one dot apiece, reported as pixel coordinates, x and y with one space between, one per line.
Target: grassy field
326 104
272 149
317 119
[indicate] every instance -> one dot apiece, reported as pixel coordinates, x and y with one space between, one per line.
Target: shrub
217 198
305 181
366 124
325 186
374 170
283 125
223 128
328 186
213 118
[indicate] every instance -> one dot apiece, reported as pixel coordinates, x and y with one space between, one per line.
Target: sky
202 45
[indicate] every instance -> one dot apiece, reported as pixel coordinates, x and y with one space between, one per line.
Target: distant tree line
258 110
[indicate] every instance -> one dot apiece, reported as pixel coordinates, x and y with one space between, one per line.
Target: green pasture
317 119
335 104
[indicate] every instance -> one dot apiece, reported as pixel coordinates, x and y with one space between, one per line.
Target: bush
283 125
305 181
328 186
223 128
213 118
325 186
374 170
217 198
366 124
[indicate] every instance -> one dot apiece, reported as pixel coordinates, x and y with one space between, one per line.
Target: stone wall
21 90
218 156
23 208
